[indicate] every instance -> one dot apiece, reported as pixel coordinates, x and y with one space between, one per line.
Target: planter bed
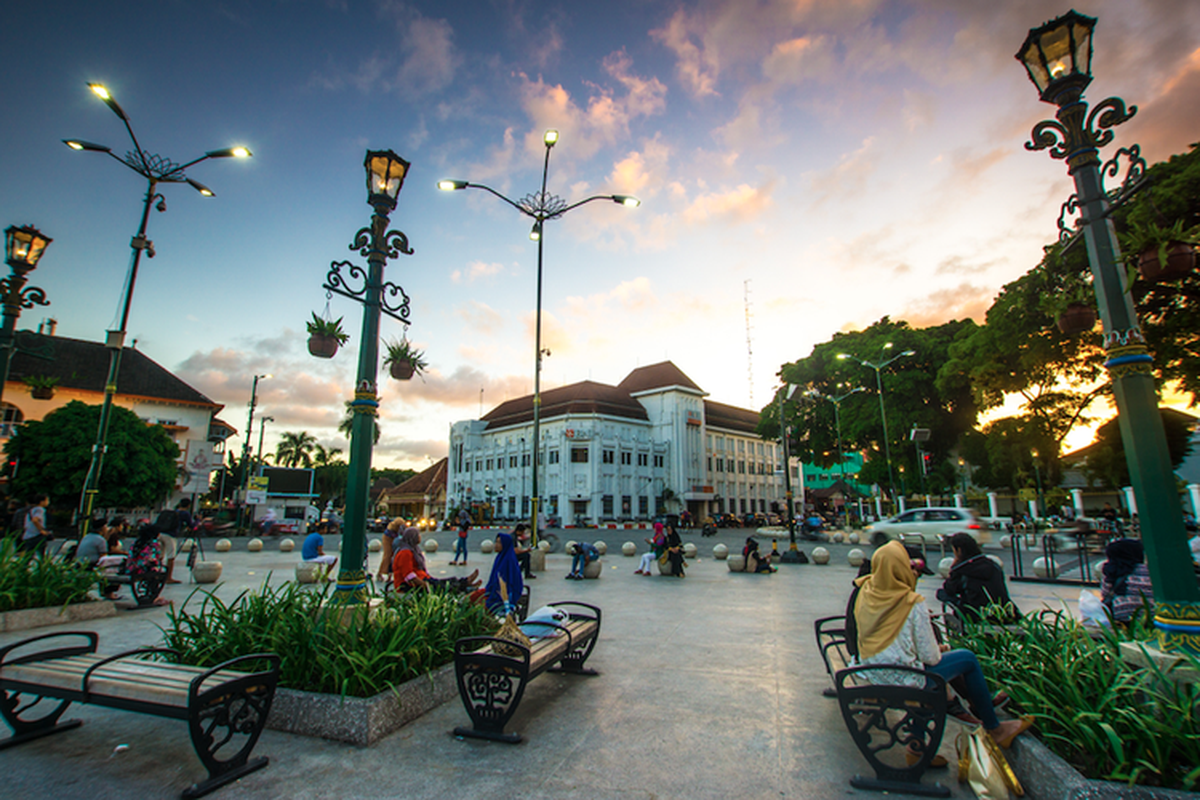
1046 776
361 720
26 618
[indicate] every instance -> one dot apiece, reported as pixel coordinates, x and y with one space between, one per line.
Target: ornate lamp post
246 447
262 428
155 169
540 207
23 247
792 556
878 367
385 177
837 421
1037 471
1058 58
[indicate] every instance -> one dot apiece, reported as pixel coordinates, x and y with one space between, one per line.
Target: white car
931 523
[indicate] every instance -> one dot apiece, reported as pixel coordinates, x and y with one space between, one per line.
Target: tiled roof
430 481
656 376
730 417
586 397
79 364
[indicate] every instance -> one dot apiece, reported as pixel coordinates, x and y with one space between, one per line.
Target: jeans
956 663
460 549
524 561
578 562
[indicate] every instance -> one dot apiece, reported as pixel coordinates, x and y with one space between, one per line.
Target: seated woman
674 552
506 582
1125 580
975 586
657 545
894 628
408 570
756 562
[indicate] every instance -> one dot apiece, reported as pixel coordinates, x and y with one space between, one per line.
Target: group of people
667 549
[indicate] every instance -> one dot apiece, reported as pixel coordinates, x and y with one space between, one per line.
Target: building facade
650 445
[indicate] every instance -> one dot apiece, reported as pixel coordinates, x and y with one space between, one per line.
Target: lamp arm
497 194
193 161
583 202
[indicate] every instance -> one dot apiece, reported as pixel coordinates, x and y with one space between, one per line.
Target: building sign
257 493
703 489
577 434
198 462
693 418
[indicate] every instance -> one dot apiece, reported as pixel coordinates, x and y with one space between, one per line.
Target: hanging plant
41 387
1077 318
325 336
1162 253
403 360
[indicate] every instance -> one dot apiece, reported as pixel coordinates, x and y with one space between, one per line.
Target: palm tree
295 449
348 421
325 457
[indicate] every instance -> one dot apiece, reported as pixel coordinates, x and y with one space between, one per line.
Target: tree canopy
53 456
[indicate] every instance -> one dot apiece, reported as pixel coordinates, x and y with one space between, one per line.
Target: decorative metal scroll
1135 175
1070 220
542 205
1067 140
152 165
357 284
394 243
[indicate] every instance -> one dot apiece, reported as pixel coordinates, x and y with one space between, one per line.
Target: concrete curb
1045 776
26 618
361 720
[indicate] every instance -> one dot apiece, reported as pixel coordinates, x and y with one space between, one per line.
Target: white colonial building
651 444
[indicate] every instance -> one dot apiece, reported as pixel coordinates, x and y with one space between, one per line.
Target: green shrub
408 637
1109 719
29 581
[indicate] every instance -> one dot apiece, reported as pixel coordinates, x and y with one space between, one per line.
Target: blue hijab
506 567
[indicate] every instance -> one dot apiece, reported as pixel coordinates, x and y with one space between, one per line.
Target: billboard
285 482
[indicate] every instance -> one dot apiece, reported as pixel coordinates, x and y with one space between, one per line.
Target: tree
347 423
295 449
53 456
1106 462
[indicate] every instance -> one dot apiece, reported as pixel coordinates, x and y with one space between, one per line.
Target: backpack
167 521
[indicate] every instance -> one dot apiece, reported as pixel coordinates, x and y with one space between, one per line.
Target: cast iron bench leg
491 687
25 730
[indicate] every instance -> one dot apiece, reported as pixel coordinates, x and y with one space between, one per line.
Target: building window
626 505
489 465
742 467
512 506
710 464
466 466
479 465
512 462
525 459
720 465
721 444
541 458
579 455
643 506
607 456
553 456
524 504
742 449
658 461
643 459
553 504
606 505
626 459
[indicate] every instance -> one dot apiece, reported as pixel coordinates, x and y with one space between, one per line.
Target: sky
804 166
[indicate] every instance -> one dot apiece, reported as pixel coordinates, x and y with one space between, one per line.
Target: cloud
697 65
942 305
738 205
642 170
481 317
797 60
476 269
430 58
847 179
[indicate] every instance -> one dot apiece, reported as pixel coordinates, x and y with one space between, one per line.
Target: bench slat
132 679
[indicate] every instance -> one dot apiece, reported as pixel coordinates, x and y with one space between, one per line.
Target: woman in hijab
894 628
755 562
1125 580
506 583
408 569
674 552
975 586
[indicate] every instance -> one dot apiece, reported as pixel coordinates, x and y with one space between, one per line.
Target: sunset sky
822 162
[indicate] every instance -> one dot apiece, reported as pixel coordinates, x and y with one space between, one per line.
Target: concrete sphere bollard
720 552
601 548
487 546
309 571
206 571
1006 541
689 550
855 557
374 545
664 568
254 545
569 546
286 545
430 545
736 562
593 569
996 560
853 537
820 555
838 537
186 545
629 549
544 546
537 560
223 546
944 565
1045 569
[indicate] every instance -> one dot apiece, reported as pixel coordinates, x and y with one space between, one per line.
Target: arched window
12 419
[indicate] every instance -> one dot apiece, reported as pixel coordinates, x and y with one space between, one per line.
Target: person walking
460 546
35 534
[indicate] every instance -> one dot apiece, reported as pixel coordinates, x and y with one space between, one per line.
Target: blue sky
833 162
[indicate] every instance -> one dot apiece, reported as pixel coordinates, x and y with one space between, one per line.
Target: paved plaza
709 687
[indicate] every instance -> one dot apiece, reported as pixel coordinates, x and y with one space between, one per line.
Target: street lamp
385 177
1037 471
837 420
23 247
792 556
878 367
155 169
541 207
246 447
262 426
1058 57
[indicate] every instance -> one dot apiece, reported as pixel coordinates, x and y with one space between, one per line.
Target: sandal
1005 742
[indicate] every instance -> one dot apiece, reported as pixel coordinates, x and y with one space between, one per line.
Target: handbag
982 764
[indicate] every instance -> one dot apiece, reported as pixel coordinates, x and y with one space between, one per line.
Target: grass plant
409 636
1109 719
34 581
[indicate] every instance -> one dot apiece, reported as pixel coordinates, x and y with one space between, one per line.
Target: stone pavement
709 687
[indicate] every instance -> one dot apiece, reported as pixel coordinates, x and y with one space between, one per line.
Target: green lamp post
385 177
878 366
23 248
1058 57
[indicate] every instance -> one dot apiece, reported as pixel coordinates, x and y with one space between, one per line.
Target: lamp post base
791 556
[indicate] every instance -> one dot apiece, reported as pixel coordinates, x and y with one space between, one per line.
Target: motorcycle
708 529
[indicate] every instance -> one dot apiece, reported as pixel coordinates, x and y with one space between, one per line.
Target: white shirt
915 646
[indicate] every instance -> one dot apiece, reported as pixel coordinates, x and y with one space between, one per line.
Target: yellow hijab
885 599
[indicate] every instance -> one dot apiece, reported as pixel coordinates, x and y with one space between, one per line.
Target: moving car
931 523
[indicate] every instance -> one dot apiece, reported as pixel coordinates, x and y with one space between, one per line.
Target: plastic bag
1091 610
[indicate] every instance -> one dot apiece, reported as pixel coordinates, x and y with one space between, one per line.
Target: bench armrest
594 609
272 671
83 688
860 673
46 655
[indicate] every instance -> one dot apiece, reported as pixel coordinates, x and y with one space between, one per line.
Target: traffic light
926 463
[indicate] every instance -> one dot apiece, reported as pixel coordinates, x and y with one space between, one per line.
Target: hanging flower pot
401 370
403 360
41 387
1170 262
325 336
1077 318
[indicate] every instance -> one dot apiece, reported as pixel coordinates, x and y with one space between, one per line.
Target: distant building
652 444
144 387
423 496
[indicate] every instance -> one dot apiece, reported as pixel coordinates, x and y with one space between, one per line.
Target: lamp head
200 187
451 185
80 144
843 356
1058 57
536 233
550 138
385 177
909 353
229 152
23 247
627 200
100 91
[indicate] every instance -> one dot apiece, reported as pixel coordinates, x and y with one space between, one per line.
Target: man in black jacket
976 585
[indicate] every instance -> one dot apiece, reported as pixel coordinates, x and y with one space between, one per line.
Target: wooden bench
226 710
492 683
831 642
